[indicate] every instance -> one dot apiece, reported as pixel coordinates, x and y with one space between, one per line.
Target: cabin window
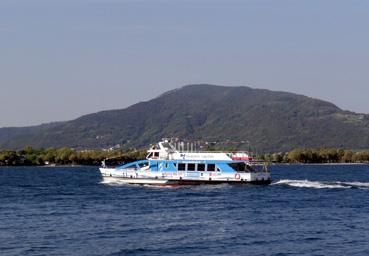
201 167
218 169
238 167
211 167
156 154
150 155
166 165
249 168
190 167
181 167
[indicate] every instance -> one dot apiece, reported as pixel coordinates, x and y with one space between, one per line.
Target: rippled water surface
308 210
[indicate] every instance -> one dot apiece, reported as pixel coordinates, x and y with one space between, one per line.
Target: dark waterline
309 210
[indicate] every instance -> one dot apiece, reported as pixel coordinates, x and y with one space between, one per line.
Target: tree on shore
68 156
323 155
65 156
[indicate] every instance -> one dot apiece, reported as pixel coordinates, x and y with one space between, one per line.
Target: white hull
140 181
155 178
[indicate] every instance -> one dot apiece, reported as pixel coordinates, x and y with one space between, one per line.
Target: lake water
308 210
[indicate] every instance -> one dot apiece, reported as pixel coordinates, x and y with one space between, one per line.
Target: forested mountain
271 121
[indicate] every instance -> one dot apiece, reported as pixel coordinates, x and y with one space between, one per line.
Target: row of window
196 167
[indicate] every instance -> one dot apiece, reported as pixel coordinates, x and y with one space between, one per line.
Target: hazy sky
60 59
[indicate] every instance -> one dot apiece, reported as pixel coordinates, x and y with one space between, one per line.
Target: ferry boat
168 163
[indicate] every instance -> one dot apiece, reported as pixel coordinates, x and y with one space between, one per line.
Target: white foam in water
311 184
112 181
292 183
356 184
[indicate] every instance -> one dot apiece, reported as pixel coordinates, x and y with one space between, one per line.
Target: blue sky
60 59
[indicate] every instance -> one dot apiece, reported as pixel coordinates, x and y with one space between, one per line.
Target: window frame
203 169
179 165
213 169
192 165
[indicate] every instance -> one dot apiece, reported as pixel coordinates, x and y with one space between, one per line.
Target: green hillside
271 121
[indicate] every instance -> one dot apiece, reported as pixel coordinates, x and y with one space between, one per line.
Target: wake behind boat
167 163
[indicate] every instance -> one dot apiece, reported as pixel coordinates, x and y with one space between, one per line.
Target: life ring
237 176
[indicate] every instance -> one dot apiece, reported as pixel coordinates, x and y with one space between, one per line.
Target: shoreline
270 164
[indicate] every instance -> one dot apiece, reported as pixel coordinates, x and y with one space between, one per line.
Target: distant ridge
271 121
